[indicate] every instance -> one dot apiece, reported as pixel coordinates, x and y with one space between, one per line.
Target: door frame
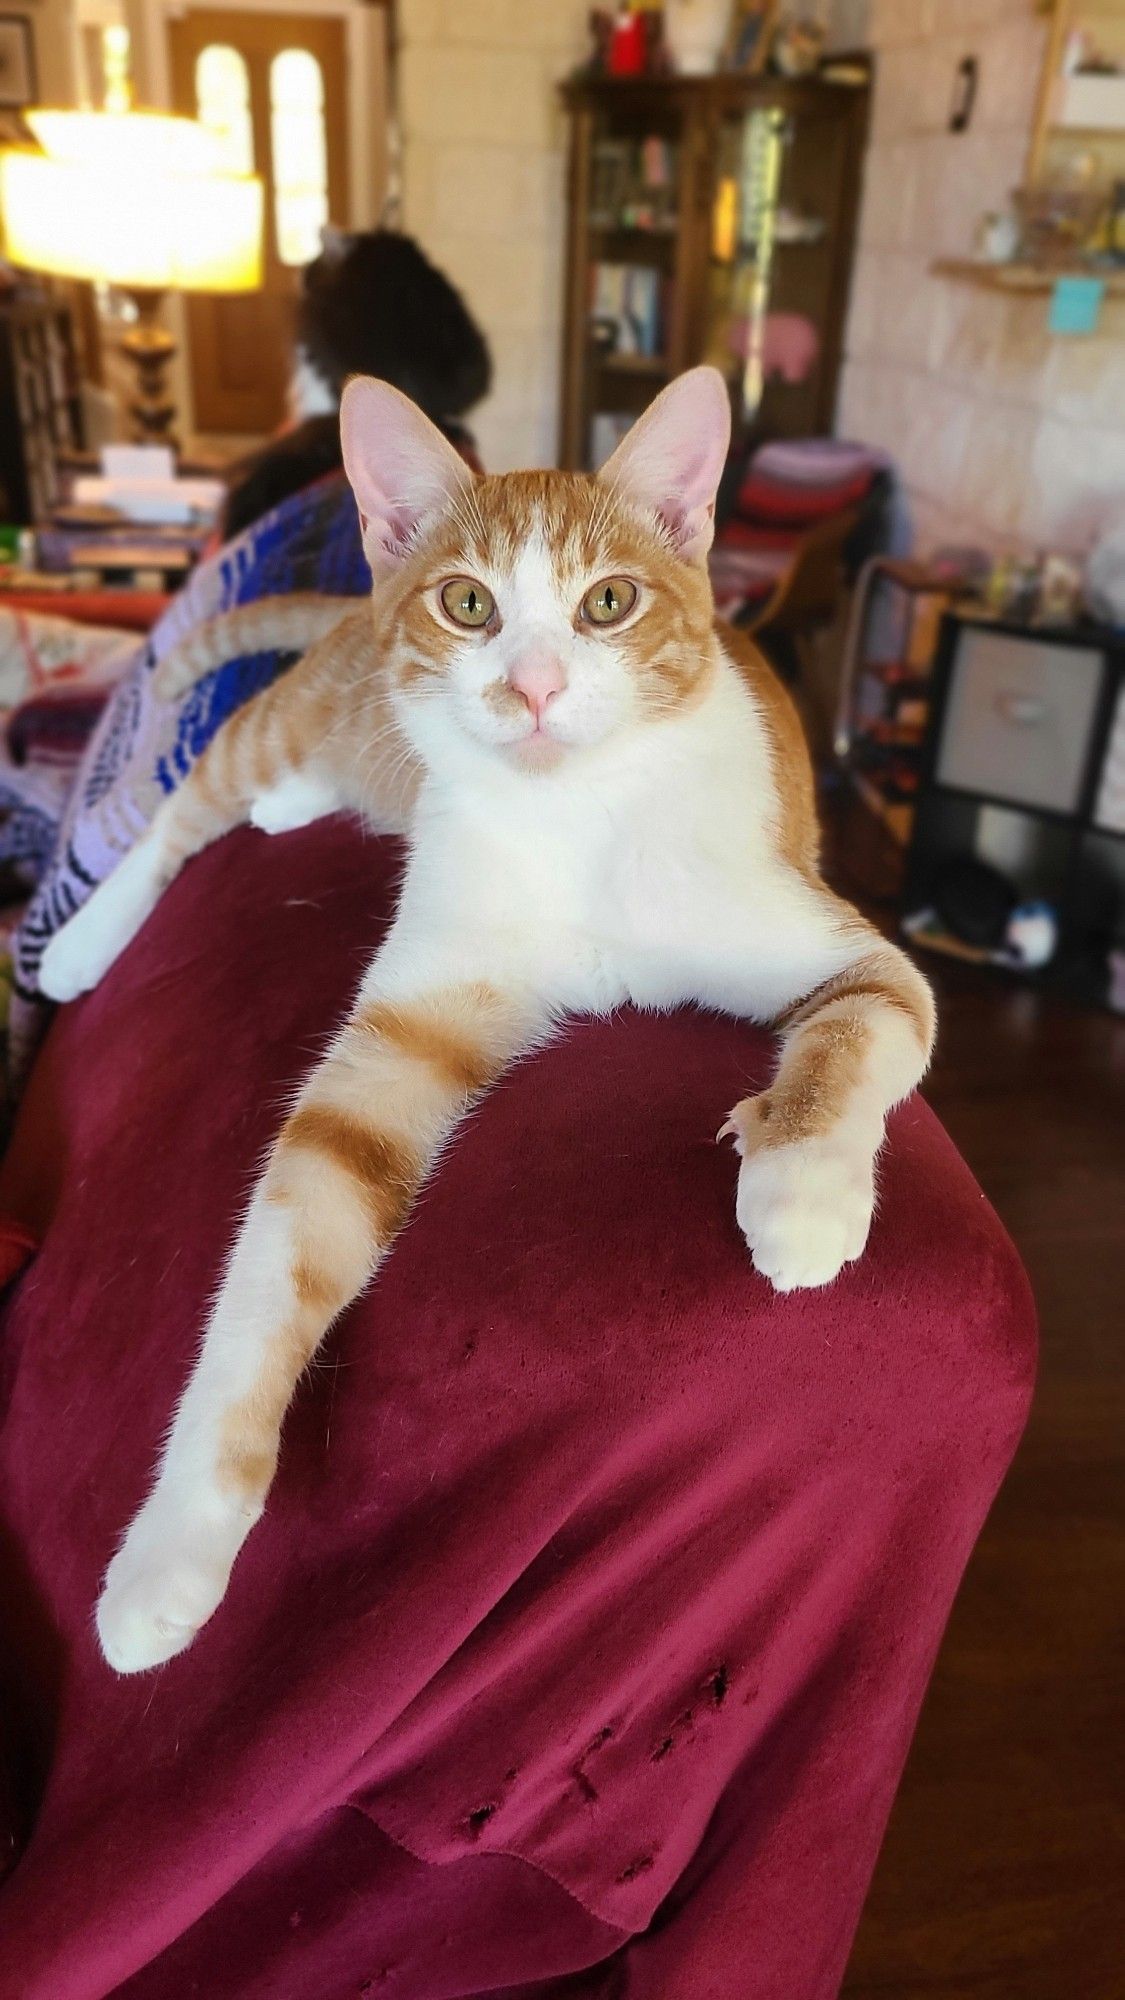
368 28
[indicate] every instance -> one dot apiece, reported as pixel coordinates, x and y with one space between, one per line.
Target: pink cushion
597 1579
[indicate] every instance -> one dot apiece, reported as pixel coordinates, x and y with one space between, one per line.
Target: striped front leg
339 1184
850 1050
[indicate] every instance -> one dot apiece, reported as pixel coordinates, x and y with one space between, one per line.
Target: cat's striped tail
286 624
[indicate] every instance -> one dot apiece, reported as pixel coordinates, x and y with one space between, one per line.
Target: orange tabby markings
424 1036
387 1170
891 982
315 1287
809 1097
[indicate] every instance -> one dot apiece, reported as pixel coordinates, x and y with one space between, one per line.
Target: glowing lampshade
135 199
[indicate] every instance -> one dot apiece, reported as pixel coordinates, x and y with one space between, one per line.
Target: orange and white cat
607 800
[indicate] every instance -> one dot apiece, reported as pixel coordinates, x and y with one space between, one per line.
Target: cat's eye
466 602
609 601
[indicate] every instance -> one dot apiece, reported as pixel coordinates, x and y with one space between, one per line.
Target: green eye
466 602
609 601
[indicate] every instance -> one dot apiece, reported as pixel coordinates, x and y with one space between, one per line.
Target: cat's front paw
97 934
296 800
74 960
158 1590
805 1209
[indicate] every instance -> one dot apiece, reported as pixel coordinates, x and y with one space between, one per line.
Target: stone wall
483 169
483 141
1005 434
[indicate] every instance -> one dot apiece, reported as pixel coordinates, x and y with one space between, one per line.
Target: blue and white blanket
144 746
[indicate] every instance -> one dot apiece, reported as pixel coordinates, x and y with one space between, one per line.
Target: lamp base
150 348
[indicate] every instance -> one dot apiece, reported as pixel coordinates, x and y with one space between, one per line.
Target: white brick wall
483 172
483 176
1004 434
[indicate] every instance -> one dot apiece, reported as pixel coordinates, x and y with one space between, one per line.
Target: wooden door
274 86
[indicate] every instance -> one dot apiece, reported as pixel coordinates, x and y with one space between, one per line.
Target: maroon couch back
570 1488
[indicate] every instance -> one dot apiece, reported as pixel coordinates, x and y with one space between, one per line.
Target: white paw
77 956
98 933
296 800
805 1210
158 1591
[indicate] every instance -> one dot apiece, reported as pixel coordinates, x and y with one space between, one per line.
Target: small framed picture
18 86
751 30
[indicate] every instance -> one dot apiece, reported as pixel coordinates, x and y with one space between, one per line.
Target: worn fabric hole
640 1866
720 1686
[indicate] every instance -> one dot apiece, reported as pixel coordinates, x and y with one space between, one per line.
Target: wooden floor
1003 1872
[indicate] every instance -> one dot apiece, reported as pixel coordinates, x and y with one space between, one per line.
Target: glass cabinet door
634 235
778 188
709 218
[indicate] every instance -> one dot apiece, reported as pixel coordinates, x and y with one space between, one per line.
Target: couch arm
135 610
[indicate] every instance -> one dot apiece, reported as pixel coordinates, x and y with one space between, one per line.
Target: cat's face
542 615
536 615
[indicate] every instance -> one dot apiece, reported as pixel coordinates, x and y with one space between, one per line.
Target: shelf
1040 278
632 364
660 232
1088 104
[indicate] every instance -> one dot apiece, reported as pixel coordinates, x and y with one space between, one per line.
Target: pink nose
538 677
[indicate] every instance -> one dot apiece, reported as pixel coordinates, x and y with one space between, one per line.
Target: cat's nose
538 677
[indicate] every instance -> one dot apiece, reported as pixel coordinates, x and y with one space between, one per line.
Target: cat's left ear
402 471
671 462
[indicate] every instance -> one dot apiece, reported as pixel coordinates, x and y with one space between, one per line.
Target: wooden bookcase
735 199
40 395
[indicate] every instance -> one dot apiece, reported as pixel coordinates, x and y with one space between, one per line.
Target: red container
628 48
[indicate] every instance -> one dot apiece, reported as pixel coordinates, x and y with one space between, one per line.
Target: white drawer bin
1018 718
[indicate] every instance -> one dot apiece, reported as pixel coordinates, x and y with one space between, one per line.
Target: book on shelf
634 184
626 314
607 429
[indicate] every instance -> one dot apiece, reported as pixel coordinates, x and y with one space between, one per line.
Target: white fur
296 800
309 394
83 951
172 1568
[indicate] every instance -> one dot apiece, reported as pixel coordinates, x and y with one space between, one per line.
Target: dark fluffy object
282 467
974 900
369 305
377 306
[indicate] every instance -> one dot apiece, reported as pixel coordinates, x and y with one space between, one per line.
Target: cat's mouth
538 750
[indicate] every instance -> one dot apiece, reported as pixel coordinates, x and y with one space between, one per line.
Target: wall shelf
1088 104
1039 278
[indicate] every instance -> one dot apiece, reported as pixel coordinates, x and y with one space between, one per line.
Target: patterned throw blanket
144 746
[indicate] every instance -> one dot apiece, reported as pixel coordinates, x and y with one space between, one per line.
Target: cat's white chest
656 880
521 889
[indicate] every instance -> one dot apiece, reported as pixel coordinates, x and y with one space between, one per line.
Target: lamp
137 200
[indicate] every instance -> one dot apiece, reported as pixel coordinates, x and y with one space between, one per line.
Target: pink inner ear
672 460
402 471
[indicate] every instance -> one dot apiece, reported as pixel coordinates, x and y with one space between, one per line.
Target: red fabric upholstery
17 1246
581 1644
134 610
770 503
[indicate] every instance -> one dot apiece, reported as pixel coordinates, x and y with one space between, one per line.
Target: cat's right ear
671 462
402 471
